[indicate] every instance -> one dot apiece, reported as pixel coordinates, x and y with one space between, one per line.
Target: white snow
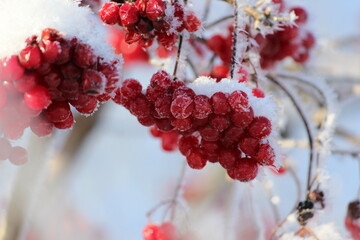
325 231
23 18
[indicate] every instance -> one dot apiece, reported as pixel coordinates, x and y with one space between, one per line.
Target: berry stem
307 128
177 190
233 58
207 10
213 24
178 57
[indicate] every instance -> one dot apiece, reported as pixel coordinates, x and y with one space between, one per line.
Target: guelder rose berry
37 98
221 128
109 13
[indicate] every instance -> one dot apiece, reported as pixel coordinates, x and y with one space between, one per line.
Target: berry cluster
218 128
38 85
291 41
352 219
144 20
16 154
165 231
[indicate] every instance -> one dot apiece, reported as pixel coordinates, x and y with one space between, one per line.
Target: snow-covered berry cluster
39 84
214 127
164 231
145 20
291 41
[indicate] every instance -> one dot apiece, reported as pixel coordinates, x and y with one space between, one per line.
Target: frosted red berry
41 127
260 127
202 107
249 146
109 13
244 170
265 155
220 104
92 82
129 14
30 57
182 107
239 101
186 143
192 23
196 158
155 9
84 56
58 111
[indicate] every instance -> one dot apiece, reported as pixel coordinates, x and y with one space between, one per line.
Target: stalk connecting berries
221 127
145 20
38 85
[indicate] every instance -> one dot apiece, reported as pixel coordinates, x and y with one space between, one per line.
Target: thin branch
178 56
307 127
223 19
193 68
233 58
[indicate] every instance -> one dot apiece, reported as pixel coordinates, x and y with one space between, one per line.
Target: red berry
93 82
58 111
65 53
30 57
144 26
50 50
155 132
15 129
155 9
221 123
167 39
220 104
258 93
84 56
196 158
228 158
182 107
49 34
18 156
219 72
52 80
209 134
179 14
232 137
129 14
244 170
182 124
68 123
27 82
5 149
186 143
164 124
169 141
131 88
192 23
140 106
160 80
41 127
202 107
150 232
239 101
141 6
166 231
265 155
301 14
242 119
37 98
309 41
146 121
71 72
249 146
162 106
109 13
184 91
260 127
11 69
89 107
